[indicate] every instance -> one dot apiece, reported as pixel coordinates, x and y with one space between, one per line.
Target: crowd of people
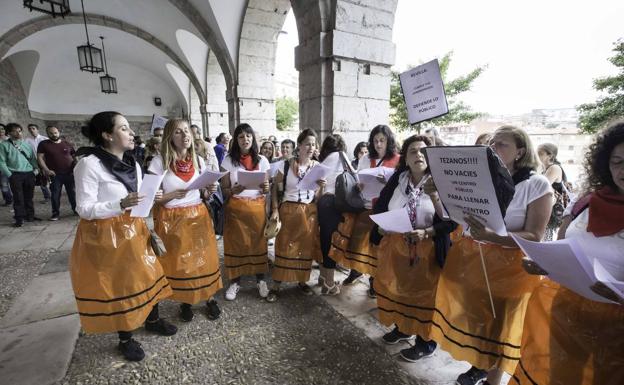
428 282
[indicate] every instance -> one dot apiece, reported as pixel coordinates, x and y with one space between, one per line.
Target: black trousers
23 188
56 186
328 218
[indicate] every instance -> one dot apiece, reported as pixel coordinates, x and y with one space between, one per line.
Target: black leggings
151 317
259 277
328 218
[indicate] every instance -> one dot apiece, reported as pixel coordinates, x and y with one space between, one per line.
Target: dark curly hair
332 143
391 148
598 174
402 166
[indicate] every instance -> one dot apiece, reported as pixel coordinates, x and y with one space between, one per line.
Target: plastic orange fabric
191 263
406 294
571 340
297 243
116 277
351 245
245 247
464 325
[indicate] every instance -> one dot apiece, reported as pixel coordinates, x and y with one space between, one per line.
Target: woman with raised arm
469 329
191 263
410 263
351 245
297 243
117 279
569 339
244 243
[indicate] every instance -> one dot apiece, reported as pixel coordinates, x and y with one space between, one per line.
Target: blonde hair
168 152
522 140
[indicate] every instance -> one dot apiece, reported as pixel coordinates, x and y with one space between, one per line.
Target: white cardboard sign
423 91
158 121
464 182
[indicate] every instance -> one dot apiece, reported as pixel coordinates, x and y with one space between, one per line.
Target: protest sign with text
158 122
464 182
423 91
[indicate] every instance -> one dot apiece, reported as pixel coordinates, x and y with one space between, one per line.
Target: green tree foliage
594 116
286 110
459 112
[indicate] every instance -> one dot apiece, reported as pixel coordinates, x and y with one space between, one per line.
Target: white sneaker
230 293
263 289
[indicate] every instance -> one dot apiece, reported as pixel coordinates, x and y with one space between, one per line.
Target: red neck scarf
247 162
606 212
391 163
184 169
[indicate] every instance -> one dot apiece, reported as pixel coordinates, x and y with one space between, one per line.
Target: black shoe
131 350
186 313
414 353
18 224
161 327
212 310
371 289
473 376
395 336
353 275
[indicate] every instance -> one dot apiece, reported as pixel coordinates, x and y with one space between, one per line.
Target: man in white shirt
33 139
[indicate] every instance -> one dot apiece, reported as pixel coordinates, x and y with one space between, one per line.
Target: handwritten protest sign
464 182
423 91
158 122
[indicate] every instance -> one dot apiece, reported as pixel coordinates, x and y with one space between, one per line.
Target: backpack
504 184
348 196
562 200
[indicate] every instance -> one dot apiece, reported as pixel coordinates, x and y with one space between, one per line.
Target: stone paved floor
298 340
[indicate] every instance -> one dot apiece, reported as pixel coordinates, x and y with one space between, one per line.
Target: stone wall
13 103
70 129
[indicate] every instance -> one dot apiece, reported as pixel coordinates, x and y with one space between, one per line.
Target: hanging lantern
89 57
50 7
107 82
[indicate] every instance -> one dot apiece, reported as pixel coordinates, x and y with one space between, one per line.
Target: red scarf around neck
247 162
184 169
606 212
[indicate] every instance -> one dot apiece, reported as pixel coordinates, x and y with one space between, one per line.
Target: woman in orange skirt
350 243
297 243
464 324
182 221
569 339
244 243
116 277
410 263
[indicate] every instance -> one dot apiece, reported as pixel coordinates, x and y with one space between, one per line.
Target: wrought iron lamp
50 7
89 57
107 82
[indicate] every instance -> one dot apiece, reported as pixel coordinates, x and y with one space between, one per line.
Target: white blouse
608 250
425 208
291 192
527 191
363 164
98 192
172 182
228 165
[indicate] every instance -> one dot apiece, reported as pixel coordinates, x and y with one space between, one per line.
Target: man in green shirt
19 162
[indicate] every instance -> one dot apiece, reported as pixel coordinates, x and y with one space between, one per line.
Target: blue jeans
6 189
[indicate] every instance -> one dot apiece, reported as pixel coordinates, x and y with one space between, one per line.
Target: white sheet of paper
396 221
369 178
320 171
206 179
251 180
565 263
603 275
149 187
275 167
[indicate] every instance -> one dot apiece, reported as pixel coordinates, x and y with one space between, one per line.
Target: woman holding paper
297 243
245 247
182 221
328 216
569 339
410 263
116 277
487 331
352 248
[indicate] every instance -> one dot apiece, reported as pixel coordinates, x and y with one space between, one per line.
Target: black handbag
348 195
